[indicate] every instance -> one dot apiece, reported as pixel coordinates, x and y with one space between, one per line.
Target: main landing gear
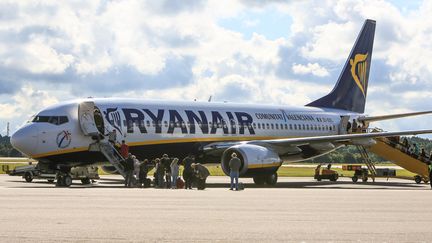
270 179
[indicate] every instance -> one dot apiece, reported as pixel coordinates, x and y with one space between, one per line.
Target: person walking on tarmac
112 137
166 162
188 171
143 171
160 173
174 173
234 165
129 168
201 174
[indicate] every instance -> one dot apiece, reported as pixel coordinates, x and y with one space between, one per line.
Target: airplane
264 136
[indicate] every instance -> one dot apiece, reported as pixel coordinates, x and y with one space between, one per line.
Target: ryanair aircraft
263 136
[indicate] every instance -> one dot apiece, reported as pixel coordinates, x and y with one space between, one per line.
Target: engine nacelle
110 169
254 158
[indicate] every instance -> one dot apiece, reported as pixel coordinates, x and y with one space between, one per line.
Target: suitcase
180 183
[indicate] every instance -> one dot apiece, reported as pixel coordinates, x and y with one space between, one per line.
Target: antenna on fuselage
210 98
7 130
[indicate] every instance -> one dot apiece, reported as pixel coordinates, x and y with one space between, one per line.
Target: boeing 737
71 133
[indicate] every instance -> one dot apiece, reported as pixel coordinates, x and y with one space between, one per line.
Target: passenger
136 167
129 169
188 171
174 172
348 128
430 173
124 149
166 162
354 126
201 174
423 155
143 171
112 137
160 173
415 150
234 165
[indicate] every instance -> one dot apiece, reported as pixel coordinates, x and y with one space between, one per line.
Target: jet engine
109 169
255 159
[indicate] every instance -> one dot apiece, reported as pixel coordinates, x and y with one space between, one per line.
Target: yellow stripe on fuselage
155 142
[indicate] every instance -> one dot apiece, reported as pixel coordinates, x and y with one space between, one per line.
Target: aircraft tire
354 178
271 179
259 180
85 181
67 181
28 177
417 179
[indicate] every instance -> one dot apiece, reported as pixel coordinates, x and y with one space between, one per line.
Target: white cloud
310 68
126 48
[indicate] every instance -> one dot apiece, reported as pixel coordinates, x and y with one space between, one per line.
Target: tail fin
350 90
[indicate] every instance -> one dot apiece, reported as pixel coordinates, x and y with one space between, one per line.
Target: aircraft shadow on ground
118 183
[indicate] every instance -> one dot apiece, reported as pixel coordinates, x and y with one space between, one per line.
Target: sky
247 51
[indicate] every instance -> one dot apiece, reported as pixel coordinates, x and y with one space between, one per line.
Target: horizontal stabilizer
394 116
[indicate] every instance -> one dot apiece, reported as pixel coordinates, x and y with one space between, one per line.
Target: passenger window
277 126
290 126
272 127
259 125
295 126
148 123
307 126
268 126
166 123
304 127
286 126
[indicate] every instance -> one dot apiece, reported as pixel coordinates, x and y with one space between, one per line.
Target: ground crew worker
129 168
143 173
174 172
201 174
166 163
188 171
124 149
234 165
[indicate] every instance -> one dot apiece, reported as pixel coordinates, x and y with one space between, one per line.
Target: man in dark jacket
143 173
201 174
234 166
160 173
188 171
129 169
166 162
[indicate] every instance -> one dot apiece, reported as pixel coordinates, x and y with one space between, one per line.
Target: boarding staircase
113 156
397 153
366 160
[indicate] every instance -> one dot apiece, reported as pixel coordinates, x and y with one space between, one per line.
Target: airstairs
393 151
113 156
366 160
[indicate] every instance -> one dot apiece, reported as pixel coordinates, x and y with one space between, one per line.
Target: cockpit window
55 120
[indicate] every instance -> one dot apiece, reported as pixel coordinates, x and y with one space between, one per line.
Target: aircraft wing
345 138
393 116
284 145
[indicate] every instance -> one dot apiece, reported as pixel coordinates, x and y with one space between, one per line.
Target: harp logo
359 71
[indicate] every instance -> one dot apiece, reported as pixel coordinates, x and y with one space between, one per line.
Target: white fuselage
150 123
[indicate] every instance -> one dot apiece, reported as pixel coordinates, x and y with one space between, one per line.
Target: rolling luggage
180 183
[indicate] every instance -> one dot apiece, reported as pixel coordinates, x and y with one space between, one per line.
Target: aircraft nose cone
25 140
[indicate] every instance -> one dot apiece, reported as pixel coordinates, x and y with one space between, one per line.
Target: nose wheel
63 180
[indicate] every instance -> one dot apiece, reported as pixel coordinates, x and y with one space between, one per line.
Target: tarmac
296 210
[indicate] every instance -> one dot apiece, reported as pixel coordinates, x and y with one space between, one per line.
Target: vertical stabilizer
350 90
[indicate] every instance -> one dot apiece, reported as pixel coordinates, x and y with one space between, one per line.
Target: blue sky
276 52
